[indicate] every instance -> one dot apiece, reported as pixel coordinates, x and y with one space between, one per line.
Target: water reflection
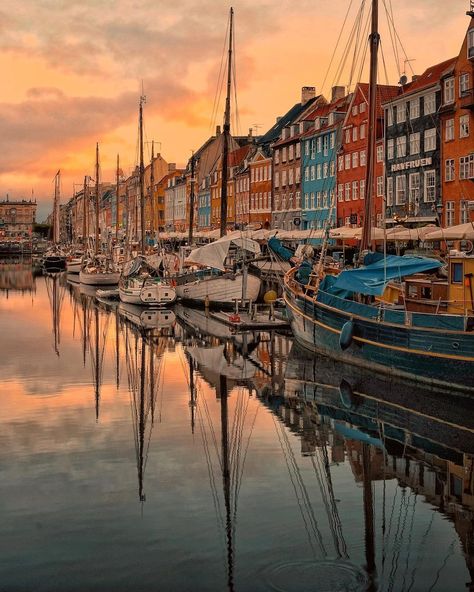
175 453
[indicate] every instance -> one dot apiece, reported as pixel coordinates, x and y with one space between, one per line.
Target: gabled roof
385 93
430 77
290 116
339 106
236 157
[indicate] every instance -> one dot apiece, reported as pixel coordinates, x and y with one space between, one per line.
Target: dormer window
470 44
449 90
317 123
331 119
463 84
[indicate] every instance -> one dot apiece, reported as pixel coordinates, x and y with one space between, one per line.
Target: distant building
17 218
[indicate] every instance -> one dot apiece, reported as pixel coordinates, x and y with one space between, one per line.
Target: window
297 174
290 152
277 179
312 200
277 157
414 188
306 148
313 149
430 139
390 149
332 140
390 191
449 90
449 130
430 103
319 145
430 186
362 107
449 172
313 172
340 161
332 169
463 84
456 273
306 173
347 162
466 167
347 192
450 213
355 190
401 190
362 131
463 212
340 190
326 145
401 113
325 199
379 153
362 189
325 170
389 116
348 136
298 150
318 171
290 177
283 178
464 126
362 159
401 146
355 110
414 108
379 186
283 154
470 43
415 143
354 133
355 160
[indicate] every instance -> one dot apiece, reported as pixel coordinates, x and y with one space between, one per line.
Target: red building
352 158
260 189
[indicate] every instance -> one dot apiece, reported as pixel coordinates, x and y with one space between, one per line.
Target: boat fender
346 394
346 336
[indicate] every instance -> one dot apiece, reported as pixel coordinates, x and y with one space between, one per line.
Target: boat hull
148 295
439 358
219 290
99 279
74 266
54 263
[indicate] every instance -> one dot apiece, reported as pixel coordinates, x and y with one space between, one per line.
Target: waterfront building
286 175
17 218
152 206
204 204
352 157
319 147
242 196
260 189
413 148
175 204
457 134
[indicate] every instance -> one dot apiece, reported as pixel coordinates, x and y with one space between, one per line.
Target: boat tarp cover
277 247
211 255
373 278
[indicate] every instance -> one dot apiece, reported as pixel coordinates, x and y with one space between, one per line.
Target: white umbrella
400 233
460 232
344 232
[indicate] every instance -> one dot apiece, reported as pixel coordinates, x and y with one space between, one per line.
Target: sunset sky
72 74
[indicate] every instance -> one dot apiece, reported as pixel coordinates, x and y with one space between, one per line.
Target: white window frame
415 108
400 190
449 130
429 103
427 187
448 91
464 126
415 143
449 169
430 137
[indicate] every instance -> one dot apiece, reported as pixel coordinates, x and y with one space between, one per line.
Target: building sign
412 164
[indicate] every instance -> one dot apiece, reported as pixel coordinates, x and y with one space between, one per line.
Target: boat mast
56 207
84 213
96 240
152 192
141 175
117 185
226 135
191 203
374 40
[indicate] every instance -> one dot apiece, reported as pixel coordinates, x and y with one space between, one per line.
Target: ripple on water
327 575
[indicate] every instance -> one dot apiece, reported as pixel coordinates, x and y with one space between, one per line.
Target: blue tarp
277 247
373 278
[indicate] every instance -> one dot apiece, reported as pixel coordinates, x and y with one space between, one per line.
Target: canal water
160 451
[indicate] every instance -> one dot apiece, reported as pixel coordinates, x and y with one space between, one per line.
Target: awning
460 232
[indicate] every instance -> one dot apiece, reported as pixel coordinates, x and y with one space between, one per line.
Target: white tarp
459 232
211 255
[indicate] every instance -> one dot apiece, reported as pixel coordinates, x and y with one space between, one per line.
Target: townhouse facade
17 218
260 209
457 134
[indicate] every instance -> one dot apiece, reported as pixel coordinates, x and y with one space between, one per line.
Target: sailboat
54 258
98 270
55 296
75 259
141 281
350 317
215 282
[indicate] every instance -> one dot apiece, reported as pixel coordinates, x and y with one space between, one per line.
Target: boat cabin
461 283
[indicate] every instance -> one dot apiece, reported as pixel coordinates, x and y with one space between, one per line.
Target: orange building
457 134
261 189
17 218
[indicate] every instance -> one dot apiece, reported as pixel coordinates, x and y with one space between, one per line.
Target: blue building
204 204
318 163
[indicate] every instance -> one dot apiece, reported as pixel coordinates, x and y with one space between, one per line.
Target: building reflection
18 275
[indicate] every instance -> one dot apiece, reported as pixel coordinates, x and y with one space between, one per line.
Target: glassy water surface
159 451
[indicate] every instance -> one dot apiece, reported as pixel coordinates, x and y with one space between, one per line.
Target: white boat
141 284
98 276
73 264
147 318
215 284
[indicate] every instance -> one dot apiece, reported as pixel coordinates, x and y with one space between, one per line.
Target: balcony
467 99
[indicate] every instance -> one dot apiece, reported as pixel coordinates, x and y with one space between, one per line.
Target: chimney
415 77
171 167
250 136
337 92
307 93
218 130
278 119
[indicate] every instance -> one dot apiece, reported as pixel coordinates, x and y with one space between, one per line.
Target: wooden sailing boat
98 269
347 318
141 281
55 259
215 283
75 259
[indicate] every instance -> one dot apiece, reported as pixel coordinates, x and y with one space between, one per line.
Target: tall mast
84 212
117 186
225 149
191 203
374 40
56 207
141 175
96 246
152 191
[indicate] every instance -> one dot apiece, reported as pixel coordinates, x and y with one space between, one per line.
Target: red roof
236 157
385 93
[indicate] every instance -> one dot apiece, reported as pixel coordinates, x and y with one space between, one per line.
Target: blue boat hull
440 358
